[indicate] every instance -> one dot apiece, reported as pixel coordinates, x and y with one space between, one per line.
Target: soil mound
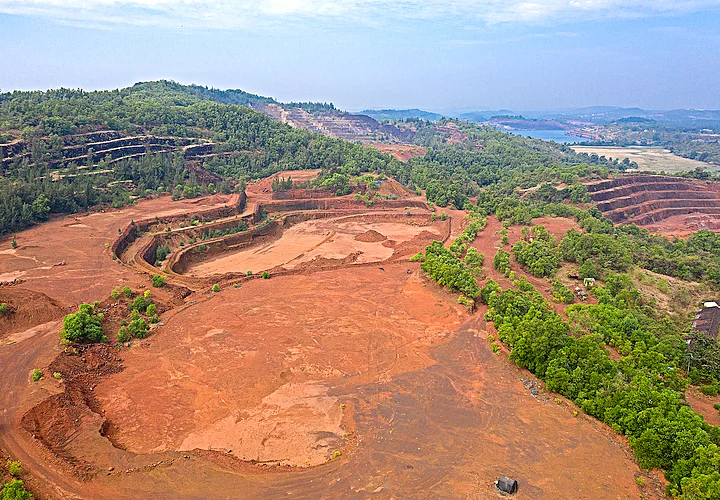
370 236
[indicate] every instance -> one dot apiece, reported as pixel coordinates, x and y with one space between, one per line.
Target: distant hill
401 114
322 118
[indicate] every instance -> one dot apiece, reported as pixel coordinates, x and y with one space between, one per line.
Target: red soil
668 205
370 236
379 365
703 405
403 152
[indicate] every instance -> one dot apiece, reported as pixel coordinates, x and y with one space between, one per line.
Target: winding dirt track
443 423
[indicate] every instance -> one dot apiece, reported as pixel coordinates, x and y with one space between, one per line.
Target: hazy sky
431 54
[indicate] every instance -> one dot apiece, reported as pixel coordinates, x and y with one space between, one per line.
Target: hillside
401 114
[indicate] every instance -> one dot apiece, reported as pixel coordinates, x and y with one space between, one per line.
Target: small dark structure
707 320
507 485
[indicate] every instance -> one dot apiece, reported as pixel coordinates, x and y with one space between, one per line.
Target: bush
57 375
123 334
36 375
265 275
249 273
215 288
151 309
158 281
474 260
13 243
501 262
487 290
13 468
162 252
561 293
127 292
154 319
464 301
4 309
138 328
83 326
538 257
14 490
115 294
709 390
448 270
140 304
588 270
418 257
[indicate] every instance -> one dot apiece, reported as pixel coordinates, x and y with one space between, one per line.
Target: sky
439 55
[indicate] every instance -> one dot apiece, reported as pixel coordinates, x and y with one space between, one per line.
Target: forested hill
66 150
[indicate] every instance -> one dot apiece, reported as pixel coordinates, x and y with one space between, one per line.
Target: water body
560 136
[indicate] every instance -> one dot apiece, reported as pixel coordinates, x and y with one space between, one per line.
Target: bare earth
647 157
356 382
329 238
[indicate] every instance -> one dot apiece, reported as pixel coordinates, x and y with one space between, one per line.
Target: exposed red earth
345 374
667 205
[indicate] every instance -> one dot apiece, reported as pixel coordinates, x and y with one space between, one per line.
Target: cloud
248 14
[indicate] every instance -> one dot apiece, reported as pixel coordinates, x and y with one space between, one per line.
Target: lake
550 135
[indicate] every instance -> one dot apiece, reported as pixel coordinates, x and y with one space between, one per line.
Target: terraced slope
649 199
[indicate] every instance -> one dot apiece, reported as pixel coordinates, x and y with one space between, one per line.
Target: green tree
588 270
83 326
15 490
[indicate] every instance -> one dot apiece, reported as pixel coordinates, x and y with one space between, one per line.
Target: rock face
648 199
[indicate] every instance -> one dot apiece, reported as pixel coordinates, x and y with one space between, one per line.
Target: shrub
448 270
495 347
537 256
561 293
36 375
13 243
14 468
138 328
150 309
588 270
265 275
4 309
487 290
464 301
418 257
474 260
443 216
158 281
504 240
57 375
215 288
127 292
640 481
115 294
501 262
140 304
154 319
14 490
162 252
123 334
249 273
83 326
709 390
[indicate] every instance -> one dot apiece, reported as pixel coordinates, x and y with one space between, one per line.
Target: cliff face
648 199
